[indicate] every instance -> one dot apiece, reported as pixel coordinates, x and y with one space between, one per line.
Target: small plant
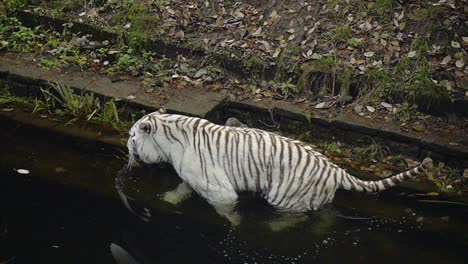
254 65
420 45
355 42
126 62
332 148
11 6
144 25
286 89
341 33
445 178
78 106
23 39
110 115
215 72
374 151
383 9
429 16
406 112
308 116
50 63
148 55
288 65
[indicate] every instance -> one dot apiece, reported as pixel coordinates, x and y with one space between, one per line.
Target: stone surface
186 101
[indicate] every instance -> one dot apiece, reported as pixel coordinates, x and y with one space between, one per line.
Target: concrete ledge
26 78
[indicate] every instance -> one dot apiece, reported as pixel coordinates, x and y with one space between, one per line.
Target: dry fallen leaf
455 44
460 63
359 62
370 108
411 54
446 60
369 54
22 171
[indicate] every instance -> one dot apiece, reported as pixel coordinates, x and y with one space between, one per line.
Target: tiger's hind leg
286 221
227 211
224 202
179 194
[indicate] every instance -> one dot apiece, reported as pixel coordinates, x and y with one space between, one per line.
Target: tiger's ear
162 110
145 127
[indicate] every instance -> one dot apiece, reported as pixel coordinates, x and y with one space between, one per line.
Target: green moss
345 81
429 14
254 65
382 8
355 42
325 64
145 26
287 69
318 73
341 33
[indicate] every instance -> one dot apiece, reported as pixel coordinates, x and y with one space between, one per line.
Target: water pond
67 210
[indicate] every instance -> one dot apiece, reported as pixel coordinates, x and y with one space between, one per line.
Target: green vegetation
288 65
63 6
255 65
428 17
16 37
81 107
381 9
374 151
355 42
332 148
143 25
11 6
345 80
406 112
341 33
319 76
126 62
447 179
420 45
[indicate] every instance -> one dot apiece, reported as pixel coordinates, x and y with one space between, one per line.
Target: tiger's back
219 161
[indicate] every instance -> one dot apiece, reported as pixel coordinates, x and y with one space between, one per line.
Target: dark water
67 211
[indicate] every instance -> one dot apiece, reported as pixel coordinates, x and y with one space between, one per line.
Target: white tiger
219 161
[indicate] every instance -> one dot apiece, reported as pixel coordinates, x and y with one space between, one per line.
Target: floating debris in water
60 170
22 171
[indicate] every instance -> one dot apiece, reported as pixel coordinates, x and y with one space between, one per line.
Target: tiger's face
142 142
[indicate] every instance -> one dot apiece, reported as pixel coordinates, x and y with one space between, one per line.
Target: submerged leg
227 210
178 195
287 221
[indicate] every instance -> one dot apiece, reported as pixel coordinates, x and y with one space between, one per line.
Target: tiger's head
143 143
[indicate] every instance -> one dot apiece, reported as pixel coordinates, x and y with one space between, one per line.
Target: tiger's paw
234 218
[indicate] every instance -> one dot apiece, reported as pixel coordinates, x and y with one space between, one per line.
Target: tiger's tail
349 182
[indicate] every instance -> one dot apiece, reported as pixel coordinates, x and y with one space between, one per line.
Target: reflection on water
120 255
75 215
119 186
